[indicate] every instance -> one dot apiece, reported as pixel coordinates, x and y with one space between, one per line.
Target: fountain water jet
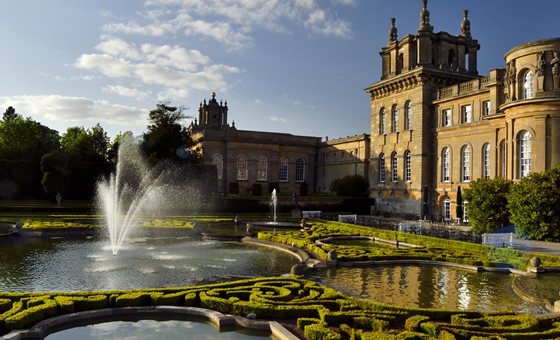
273 204
130 193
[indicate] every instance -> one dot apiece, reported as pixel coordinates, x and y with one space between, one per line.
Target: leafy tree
534 203
166 138
113 152
487 200
90 145
25 139
55 167
350 186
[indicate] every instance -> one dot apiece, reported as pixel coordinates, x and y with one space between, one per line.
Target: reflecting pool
46 265
152 329
435 287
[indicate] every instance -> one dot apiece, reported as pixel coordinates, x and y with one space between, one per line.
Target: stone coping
62 322
327 240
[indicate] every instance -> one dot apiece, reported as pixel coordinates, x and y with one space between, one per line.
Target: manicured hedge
321 312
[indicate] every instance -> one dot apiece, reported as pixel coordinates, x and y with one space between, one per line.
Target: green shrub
302 322
320 332
133 300
46 308
413 323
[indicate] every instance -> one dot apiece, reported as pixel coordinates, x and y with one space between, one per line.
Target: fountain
132 192
273 204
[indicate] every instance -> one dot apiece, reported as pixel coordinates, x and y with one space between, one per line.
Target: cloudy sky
294 66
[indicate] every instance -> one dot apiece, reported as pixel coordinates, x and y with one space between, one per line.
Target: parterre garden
319 312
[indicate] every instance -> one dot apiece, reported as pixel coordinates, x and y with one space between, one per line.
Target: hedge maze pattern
320 312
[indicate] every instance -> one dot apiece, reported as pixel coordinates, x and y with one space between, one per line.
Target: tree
459 209
487 200
350 186
534 203
166 138
112 154
90 145
24 139
55 167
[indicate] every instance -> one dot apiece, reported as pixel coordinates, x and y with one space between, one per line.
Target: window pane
218 161
382 168
300 170
283 170
262 169
407 165
242 167
394 167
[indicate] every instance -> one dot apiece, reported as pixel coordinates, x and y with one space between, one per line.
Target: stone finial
392 32
466 25
425 18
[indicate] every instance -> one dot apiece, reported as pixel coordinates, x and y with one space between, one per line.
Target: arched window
394 166
446 209
382 168
407 166
262 169
382 121
525 154
408 116
218 161
242 174
446 165
300 170
394 118
503 150
528 85
466 164
283 169
486 160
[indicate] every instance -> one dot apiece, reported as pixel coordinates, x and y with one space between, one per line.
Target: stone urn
535 261
249 228
332 255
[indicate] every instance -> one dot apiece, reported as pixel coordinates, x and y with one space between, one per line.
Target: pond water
152 329
46 265
436 287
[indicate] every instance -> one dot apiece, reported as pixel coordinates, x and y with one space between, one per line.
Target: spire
466 26
392 32
425 18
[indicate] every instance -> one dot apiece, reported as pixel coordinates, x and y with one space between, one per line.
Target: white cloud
175 69
76 109
277 119
232 21
346 2
258 101
127 92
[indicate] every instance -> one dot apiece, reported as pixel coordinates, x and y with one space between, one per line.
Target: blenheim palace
436 125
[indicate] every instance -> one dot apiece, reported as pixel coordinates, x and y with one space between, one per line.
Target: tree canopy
534 203
350 186
25 139
166 138
90 145
487 204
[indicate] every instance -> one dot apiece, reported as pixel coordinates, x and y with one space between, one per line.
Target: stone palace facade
436 125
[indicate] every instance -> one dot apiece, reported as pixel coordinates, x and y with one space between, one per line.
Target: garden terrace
318 312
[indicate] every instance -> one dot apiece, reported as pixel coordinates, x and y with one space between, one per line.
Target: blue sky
294 66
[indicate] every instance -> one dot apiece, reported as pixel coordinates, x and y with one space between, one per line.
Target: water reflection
150 329
75 265
429 287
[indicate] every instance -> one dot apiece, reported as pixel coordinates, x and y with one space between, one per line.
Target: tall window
242 168
408 115
382 168
382 121
486 161
466 114
394 118
446 117
528 85
262 169
407 166
283 169
503 159
445 165
218 161
486 108
525 153
394 166
446 209
466 164
465 210
300 170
